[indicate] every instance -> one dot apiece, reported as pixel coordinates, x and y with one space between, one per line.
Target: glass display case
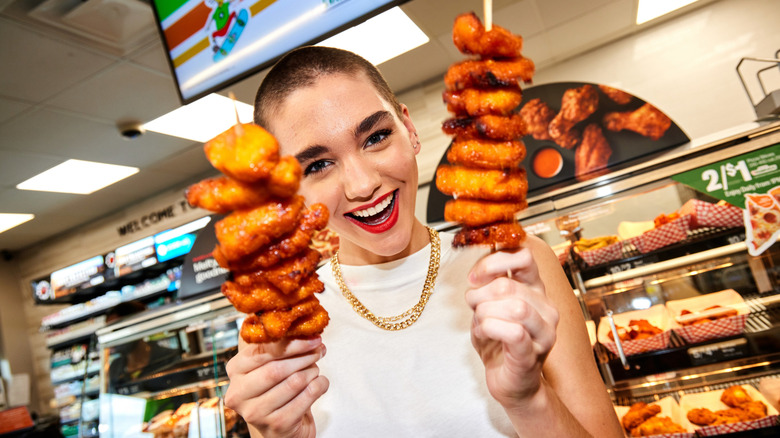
714 307
162 372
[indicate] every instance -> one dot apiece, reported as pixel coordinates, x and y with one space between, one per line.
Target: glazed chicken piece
657 426
490 126
576 105
617 96
646 120
486 154
489 73
701 416
479 102
471 38
638 414
592 156
537 116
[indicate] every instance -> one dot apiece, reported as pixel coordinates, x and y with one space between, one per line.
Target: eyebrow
366 125
310 153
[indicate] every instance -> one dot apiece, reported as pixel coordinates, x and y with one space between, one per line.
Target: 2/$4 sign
153 218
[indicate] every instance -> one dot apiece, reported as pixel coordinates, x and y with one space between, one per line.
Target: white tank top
424 381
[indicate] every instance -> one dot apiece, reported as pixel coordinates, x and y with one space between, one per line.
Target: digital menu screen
178 241
66 281
134 256
213 43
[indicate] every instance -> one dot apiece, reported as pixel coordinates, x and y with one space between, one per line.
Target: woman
497 363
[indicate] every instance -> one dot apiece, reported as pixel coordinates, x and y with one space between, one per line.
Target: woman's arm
530 334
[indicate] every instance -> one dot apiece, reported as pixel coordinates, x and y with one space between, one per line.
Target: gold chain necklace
404 320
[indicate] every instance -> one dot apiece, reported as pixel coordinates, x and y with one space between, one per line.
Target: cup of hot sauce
547 162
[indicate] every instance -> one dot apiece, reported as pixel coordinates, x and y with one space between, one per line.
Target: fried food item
701 416
497 235
735 396
637 329
585 244
657 426
287 276
244 231
617 96
479 102
489 73
646 120
262 296
471 38
492 185
306 318
754 410
245 152
638 414
537 116
592 156
663 219
725 313
491 126
474 213
486 154
576 105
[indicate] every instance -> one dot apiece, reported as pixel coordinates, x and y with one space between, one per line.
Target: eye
316 167
378 137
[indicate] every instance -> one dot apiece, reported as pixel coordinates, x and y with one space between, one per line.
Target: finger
292 399
253 356
503 288
519 262
520 314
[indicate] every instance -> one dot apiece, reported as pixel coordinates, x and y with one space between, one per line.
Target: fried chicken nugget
734 396
471 38
501 234
245 152
537 116
486 154
478 102
273 325
638 413
701 416
244 231
261 297
489 185
592 156
223 194
489 73
316 218
286 276
657 426
474 213
490 126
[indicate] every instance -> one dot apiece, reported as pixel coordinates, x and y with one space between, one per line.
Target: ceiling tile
122 92
42 67
10 108
522 18
153 56
557 12
188 162
596 26
16 167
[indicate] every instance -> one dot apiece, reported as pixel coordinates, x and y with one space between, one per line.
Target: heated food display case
162 372
640 249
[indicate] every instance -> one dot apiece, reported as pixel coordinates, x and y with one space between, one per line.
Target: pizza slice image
762 220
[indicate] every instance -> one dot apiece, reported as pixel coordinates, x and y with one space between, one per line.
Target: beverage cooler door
163 373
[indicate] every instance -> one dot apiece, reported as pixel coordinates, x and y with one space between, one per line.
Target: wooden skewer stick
488 9
237 127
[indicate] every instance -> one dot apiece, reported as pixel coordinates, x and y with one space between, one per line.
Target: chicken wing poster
577 131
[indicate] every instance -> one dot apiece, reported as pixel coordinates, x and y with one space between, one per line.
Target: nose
360 179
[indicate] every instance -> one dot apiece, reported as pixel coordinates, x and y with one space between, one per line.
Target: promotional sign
200 272
82 275
749 181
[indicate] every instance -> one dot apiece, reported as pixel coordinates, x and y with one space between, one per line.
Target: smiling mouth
377 214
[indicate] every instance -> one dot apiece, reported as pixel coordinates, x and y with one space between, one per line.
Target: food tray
655 315
664 235
719 328
669 408
711 401
603 255
705 214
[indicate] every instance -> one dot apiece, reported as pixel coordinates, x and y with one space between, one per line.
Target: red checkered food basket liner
655 315
718 328
767 421
603 255
665 235
705 214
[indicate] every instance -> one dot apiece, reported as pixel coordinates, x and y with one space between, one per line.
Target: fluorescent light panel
650 9
380 38
10 220
203 119
77 176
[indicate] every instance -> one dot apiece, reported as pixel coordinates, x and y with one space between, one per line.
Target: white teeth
370 211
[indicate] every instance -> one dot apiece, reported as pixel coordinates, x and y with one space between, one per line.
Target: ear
414 138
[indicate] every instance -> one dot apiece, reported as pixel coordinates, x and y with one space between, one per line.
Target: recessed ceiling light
10 220
203 119
650 9
380 38
77 176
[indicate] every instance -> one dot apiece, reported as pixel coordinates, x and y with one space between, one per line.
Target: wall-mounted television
213 43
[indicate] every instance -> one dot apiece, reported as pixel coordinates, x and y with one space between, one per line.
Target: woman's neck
352 254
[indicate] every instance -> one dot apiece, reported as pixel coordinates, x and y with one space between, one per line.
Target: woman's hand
272 386
514 325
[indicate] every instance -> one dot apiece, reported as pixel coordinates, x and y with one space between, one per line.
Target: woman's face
358 159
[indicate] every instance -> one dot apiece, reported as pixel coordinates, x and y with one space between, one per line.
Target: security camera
131 129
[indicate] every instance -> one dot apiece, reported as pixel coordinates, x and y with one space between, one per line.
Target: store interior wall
686 67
